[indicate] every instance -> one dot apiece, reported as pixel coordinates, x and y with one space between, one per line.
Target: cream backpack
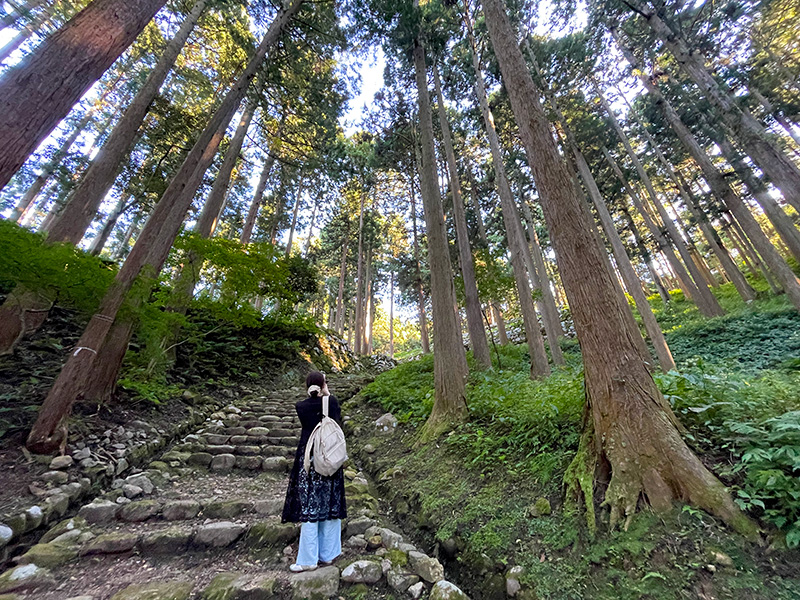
328 445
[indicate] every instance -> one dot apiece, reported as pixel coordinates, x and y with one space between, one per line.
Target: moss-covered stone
234 586
63 527
271 532
48 555
226 510
166 590
24 577
540 508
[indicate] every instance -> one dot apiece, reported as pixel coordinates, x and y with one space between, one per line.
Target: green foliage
755 425
58 272
406 391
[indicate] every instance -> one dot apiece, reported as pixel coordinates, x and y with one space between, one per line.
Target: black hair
315 378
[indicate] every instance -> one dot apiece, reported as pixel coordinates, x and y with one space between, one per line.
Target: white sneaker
295 568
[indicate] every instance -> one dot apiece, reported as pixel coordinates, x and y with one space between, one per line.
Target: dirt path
203 522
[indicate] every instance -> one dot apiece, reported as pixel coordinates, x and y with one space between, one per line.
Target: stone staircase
202 521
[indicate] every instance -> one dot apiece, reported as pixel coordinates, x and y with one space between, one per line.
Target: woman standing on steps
311 499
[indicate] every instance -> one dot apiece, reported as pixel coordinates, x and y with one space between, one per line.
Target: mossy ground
473 492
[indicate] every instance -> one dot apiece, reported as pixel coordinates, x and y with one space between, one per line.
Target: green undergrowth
737 394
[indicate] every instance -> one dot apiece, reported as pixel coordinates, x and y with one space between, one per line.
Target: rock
258 431
400 580
81 454
272 533
215 439
247 450
374 542
315 585
75 523
57 504
56 477
235 586
48 555
132 491
406 548
360 525
444 590
33 518
362 571
136 512
199 459
386 423
275 463
427 568
175 456
61 462
369 449
269 507
223 463
722 559
179 510
357 542
218 534
111 543
416 590
140 425
24 577
142 481
163 590
122 465
6 534
390 539
227 509
88 463
169 541
68 537
513 586
540 508
251 463
223 449
73 490
17 522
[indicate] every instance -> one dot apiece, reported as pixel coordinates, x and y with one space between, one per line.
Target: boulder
24 577
386 423
400 580
415 591
270 507
164 590
359 525
139 511
57 504
99 511
272 532
223 463
56 477
444 590
33 518
235 586
142 481
179 510
6 534
132 491
362 571
275 463
390 539
315 585
199 459
169 541
218 534
61 462
357 542
48 555
250 463
111 543
427 568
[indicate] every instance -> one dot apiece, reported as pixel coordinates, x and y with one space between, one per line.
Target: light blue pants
319 542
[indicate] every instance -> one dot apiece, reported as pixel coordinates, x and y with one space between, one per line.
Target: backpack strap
325 400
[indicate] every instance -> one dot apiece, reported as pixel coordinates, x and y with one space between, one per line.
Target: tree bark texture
633 431
477 333
39 92
449 358
149 253
423 320
513 225
258 198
